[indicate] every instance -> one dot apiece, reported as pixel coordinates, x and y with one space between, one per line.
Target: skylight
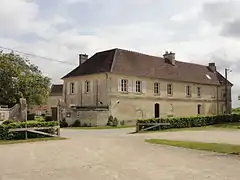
209 77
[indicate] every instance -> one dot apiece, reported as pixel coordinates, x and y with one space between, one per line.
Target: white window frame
124 85
72 88
188 91
169 88
156 88
138 86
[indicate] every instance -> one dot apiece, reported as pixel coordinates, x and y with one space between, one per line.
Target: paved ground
115 154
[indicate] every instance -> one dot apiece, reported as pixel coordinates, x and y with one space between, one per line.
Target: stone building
130 85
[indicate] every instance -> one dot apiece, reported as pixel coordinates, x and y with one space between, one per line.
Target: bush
110 121
5 134
185 122
8 122
63 123
115 122
76 123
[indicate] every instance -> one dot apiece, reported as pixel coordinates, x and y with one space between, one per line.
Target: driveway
113 154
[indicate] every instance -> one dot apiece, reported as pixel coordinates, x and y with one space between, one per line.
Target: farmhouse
130 85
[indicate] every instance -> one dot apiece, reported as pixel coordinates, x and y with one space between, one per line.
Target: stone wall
90 117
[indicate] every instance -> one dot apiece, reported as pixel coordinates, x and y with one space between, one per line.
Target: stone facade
105 91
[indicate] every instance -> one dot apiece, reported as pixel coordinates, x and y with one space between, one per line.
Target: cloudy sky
199 31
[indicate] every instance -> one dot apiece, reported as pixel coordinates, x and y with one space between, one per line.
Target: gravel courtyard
115 154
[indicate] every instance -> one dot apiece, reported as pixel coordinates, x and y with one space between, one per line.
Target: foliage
5 134
236 110
110 121
115 122
185 122
19 78
76 123
63 123
39 118
8 121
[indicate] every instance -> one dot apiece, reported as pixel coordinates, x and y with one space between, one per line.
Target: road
116 154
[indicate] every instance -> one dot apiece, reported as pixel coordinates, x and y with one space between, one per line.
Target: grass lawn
3 142
214 147
100 127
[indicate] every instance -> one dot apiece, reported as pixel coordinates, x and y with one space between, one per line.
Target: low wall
90 117
4 114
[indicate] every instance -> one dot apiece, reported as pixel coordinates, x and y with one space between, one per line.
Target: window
156 88
87 86
188 91
138 86
72 88
169 90
199 109
198 92
124 84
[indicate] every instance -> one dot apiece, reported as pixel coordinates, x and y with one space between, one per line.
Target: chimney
82 58
169 57
212 67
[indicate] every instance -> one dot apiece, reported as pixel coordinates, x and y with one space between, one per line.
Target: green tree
19 78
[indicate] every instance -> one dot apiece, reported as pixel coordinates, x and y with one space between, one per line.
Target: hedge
5 134
187 122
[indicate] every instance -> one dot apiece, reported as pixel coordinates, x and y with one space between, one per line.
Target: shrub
110 121
185 122
8 122
63 123
115 122
76 123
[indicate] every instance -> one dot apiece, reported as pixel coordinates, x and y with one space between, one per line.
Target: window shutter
91 86
119 85
144 86
130 85
68 88
134 85
75 87
83 86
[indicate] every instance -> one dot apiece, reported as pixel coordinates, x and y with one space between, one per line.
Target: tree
19 78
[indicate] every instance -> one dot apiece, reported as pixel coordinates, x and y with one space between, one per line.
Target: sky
199 31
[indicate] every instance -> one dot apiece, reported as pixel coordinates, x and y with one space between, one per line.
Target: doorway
157 110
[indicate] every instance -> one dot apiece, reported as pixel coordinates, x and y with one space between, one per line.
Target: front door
157 110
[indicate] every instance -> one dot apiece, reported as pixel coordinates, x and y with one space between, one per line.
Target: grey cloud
231 29
220 12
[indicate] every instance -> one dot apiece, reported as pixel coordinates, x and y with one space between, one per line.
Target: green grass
214 147
100 127
3 142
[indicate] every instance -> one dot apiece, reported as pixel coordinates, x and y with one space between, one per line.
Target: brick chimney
169 57
212 66
82 58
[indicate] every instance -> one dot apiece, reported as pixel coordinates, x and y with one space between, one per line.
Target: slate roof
56 90
126 62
